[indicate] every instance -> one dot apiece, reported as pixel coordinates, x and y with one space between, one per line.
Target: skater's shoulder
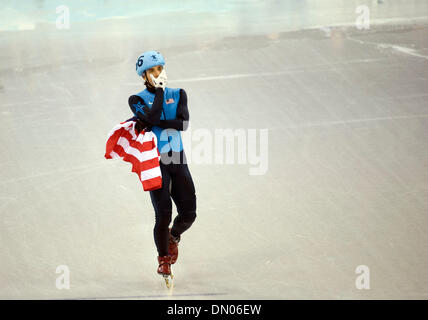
134 98
175 90
142 94
178 91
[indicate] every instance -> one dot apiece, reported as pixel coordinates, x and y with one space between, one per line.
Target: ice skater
164 111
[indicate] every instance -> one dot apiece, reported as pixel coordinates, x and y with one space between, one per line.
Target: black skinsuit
177 181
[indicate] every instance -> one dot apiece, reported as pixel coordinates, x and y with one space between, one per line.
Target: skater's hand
141 125
160 81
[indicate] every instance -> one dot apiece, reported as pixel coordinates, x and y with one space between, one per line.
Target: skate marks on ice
160 296
393 44
344 122
318 235
344 32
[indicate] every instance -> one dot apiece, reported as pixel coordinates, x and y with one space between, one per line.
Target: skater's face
155 71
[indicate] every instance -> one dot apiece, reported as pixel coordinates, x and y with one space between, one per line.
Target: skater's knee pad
187 204
189 217
184 221
161 213
163 219
186 208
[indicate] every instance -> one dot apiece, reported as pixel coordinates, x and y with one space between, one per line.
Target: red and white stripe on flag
140 150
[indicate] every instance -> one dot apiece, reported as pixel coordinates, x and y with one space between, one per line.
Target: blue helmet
148 60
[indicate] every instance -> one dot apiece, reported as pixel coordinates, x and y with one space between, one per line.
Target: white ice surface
347 116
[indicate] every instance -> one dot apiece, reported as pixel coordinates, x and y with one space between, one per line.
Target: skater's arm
152 115
182 120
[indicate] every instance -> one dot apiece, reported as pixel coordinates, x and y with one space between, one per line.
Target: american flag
138 149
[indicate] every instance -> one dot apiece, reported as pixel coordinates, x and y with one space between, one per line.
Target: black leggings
177 184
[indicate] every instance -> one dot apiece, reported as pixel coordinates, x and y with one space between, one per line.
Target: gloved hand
160 81
141 125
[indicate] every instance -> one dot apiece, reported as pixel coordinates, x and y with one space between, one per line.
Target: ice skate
173 247
165 270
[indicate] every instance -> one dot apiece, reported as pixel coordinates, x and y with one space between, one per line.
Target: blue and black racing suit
162 110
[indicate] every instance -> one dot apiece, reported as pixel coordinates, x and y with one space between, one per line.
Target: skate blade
169 280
